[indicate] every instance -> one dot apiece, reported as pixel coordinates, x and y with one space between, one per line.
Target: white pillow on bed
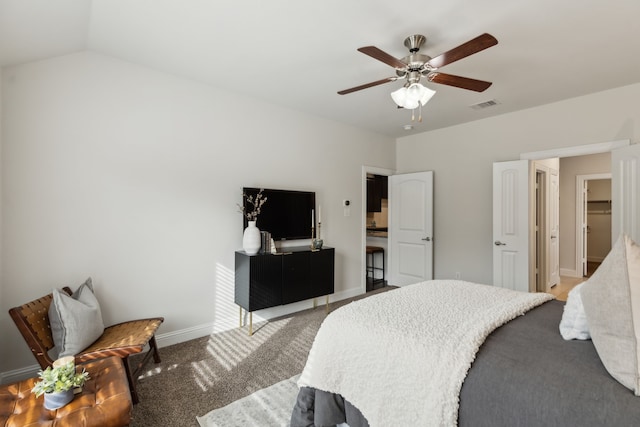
611 299
573 325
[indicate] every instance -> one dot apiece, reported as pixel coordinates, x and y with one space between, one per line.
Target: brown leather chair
122 339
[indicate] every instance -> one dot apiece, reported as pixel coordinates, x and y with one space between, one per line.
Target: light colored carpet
268 407
211 372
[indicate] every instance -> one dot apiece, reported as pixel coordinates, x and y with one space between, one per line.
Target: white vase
251 239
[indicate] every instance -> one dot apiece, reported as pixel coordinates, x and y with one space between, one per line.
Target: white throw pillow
76 321
574 325
611 300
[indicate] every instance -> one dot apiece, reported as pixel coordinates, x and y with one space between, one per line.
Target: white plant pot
57 400
251 239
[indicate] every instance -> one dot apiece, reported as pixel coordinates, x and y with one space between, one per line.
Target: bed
521 373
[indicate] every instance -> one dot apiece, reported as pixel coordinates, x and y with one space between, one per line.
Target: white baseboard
199 331
19 374
182 335
569 273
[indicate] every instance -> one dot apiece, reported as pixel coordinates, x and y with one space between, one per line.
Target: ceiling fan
416 65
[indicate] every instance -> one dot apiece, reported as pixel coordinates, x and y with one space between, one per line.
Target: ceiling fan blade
458 81
367 85
481 42
380 55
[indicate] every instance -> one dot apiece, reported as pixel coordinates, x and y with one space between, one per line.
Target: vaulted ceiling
299 53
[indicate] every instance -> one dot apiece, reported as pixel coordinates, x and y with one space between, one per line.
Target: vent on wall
485 104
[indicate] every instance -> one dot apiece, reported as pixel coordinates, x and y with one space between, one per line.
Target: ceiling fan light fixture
413 96
421 93
399 96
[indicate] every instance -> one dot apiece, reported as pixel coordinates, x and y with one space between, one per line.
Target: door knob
499 243
427 239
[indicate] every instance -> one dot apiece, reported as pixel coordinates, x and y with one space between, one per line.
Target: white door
625 186
410 228
511 225
582 248
554 228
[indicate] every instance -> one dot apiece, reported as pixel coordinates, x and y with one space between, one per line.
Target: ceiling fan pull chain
413 115
420 116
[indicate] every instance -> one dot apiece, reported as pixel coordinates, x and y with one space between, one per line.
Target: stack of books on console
265 244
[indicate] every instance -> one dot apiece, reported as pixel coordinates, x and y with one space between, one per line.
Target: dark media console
295 274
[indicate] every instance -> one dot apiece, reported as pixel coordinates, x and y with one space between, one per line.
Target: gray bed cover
525 374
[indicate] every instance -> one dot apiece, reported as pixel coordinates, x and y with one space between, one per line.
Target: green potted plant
57 384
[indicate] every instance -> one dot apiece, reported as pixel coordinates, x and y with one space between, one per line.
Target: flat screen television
286 214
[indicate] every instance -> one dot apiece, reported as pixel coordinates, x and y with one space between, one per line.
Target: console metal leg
250 321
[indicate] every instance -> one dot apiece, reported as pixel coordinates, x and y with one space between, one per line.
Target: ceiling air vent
485 104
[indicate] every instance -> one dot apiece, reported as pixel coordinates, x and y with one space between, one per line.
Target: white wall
462 158
132 176
1 287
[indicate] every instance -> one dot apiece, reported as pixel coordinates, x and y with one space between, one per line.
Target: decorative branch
256 204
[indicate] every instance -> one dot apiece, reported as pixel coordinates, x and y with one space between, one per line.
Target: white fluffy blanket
401 356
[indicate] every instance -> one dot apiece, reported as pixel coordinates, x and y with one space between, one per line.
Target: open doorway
562 225
408 255
377 231
624 157
374 235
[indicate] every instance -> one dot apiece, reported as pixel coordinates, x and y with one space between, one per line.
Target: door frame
363 221
580 212
577 150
